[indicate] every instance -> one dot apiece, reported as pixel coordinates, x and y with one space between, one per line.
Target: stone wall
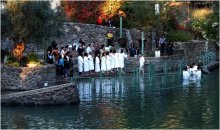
193 50
188 52
60 94
131 63
26 78
91 33
8 44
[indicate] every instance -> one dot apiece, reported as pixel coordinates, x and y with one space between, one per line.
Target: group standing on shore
103 61
90 58
97 58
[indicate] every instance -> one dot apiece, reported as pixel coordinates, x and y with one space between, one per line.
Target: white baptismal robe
91 62
108 63
97 64
141 61
103 64
86 64
80 63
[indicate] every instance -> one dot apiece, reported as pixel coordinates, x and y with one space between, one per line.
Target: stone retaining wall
91 33
193 50
131 63
26 78
60 94
188 52
8 44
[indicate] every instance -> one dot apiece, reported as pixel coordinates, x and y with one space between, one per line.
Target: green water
124 105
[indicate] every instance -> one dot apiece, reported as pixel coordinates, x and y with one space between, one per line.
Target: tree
205 22
30 20
140 14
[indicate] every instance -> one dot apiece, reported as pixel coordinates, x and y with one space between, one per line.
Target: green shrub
179 36
32 57
12 61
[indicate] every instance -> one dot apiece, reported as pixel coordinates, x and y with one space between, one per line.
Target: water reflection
117 103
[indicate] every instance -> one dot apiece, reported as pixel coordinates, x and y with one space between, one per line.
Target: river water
126 106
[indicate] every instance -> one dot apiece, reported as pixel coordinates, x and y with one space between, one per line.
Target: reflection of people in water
141 84
106 87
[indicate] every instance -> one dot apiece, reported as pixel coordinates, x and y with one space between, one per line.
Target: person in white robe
103 63
112 60
186 76
194 67
198 74
117 64
89 49
141 63
192 76
108 62
91 62
97 63
80 64
86 63
185 73
122 57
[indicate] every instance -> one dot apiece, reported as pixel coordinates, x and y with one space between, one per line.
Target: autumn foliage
91 11
82 11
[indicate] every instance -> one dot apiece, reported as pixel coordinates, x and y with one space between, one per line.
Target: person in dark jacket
66 66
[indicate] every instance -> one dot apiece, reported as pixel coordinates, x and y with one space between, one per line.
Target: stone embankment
54 95
26 78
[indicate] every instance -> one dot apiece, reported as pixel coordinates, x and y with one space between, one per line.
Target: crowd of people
62 58
105 59
98 58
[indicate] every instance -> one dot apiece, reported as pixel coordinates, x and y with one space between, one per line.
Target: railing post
132 82
149 73
165 68
180 71
120 26
203 60
113 83
100 74
137 72
93 84
151 70
142 43
119 73
163 81
71 79
150 79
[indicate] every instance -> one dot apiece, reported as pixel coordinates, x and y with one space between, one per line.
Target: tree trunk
18 50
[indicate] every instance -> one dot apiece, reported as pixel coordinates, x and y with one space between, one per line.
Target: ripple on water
126 107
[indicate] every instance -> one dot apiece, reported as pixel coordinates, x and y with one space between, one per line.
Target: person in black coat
66 66
80 50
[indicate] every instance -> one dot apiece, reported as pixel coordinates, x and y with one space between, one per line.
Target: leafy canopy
29 20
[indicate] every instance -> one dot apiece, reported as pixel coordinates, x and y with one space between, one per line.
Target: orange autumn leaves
89 11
